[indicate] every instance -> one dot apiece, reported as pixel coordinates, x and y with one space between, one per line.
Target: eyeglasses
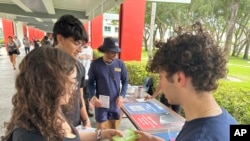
79 44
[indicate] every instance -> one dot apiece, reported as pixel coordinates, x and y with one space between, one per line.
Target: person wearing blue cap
108 82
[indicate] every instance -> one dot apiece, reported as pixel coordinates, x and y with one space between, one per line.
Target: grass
239 68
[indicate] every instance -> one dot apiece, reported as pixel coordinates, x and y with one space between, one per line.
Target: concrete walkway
7 86
7 90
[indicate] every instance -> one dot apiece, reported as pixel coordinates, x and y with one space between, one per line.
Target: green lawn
239 68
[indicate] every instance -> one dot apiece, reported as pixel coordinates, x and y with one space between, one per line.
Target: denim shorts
104 114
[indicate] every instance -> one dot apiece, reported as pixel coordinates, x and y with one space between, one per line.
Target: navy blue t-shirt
105 79
214 128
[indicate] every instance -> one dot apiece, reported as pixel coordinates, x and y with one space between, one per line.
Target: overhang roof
43 14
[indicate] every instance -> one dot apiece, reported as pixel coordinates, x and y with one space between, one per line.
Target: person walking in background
12 48
46 81
35 43
26 44
45 42
17 42
105 76
69 36
85 57
190 66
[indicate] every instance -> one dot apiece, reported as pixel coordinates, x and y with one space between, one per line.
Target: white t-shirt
85 57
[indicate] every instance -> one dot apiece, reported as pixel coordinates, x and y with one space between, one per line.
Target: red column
96 32
8 29
40 34
131 27
36 34
31 33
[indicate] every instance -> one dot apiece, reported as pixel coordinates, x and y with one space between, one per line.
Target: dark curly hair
40 85
194 53
69 26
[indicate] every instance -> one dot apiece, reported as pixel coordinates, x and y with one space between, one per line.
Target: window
116 29
107 28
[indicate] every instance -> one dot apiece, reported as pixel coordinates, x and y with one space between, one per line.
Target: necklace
108 63
209 111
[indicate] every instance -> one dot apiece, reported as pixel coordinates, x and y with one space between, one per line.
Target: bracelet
99 135
86 120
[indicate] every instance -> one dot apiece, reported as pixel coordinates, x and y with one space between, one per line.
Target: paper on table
140 99
104 99
81 128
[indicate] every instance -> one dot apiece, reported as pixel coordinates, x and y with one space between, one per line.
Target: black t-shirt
21 134
73 116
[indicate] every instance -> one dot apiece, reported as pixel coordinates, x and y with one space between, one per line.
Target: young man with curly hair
189 68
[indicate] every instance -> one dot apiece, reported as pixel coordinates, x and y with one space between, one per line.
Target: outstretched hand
148 97
144 136
109 133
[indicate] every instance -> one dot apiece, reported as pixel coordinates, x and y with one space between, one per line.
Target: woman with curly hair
46 81
189 68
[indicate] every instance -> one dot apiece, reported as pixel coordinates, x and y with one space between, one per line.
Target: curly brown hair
194 53
40 85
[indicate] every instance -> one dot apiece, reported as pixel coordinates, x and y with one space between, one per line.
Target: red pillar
36 34
96 32
40 34
131 27
31 33
86 26
8 29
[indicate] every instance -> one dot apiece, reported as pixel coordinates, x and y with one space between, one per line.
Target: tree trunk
231 25
246 50
145 43
241 47
234 50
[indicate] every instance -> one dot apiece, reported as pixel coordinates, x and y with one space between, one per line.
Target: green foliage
1 41
137 73
97 54
236 99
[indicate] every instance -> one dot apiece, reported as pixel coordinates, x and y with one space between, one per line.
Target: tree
231 25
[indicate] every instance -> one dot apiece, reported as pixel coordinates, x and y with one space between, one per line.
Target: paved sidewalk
7 90
7 85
